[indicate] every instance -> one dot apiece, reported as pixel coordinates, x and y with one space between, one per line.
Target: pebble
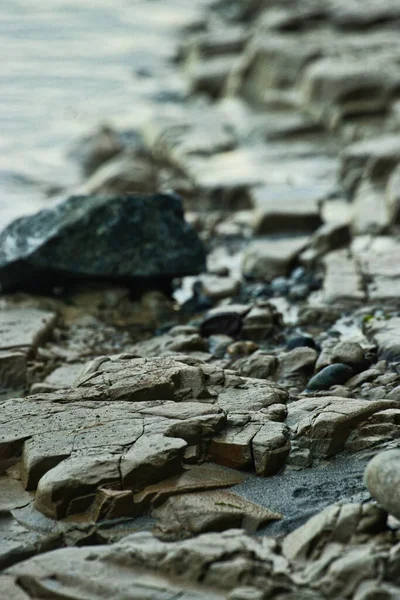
382 478
332 375
299 341
349 353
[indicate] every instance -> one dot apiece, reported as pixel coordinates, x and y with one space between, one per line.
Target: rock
382 478
368 157
207 567
217 288
338 89
210 76
203 477
218 344
259 365
297 212
386 335
337 523
241 349
210 511
300 341
343 283
393 196
349 353
271 447
226 323
107 225
300 360
22 330
260 322
324 424
329 376
328 237
369 200
268 258
121 174
98 148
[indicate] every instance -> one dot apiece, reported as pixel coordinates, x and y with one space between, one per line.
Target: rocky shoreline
200 388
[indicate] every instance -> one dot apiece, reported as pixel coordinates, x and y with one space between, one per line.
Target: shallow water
69 65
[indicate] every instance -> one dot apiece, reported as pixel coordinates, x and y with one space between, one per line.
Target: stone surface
382 477
99 224
269 258
210 511
324 424
281 214
349 353
130 423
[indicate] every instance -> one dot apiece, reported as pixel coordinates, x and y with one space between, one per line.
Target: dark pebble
329 376
298 341
229 323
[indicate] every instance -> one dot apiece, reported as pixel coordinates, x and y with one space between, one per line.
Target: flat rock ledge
132 423
326 558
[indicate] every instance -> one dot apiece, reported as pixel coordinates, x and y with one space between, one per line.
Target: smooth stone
332 375
298 341
228 323
382 478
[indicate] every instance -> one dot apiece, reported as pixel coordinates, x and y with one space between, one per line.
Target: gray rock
297 361
268 258
259 365
121 238
349 353
298 212
382 478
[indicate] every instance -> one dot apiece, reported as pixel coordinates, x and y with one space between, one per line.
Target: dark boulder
130 238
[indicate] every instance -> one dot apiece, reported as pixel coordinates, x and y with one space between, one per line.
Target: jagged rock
269 258
22 330
129 423
123 237
271 447
382 478
207 567
210 511
207 476
337 523
324 424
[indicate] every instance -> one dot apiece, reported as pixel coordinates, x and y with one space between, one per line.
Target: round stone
382 478
349 353
298 341
331 375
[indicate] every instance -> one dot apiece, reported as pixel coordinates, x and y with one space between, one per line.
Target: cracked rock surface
200 397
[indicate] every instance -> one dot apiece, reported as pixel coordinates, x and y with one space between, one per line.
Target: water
68 66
